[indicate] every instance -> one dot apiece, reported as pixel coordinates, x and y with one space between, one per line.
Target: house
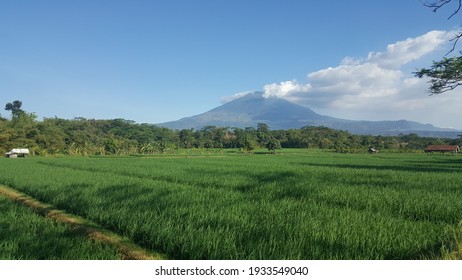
14 153
442 149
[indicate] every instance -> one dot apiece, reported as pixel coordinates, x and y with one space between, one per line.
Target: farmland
25 235
298 204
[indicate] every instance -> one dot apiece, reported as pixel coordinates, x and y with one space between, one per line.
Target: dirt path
126 247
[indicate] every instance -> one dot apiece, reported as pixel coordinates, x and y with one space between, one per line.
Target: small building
14 153
442 149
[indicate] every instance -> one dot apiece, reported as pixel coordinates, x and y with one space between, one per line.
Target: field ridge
126 247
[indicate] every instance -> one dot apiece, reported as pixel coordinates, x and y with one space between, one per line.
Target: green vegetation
297 204
444 74
24 235
230 193
55 136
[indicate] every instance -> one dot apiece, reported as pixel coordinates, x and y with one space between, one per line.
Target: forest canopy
81 136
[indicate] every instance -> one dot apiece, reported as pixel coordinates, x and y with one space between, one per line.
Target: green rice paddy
298 204
25 235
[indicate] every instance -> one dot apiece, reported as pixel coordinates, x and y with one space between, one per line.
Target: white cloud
376 87
285 89
227 99
403 52
366 79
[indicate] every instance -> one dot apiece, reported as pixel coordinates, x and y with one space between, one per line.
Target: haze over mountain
278 113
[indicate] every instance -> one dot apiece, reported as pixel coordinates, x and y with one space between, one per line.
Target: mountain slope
248 111
278 113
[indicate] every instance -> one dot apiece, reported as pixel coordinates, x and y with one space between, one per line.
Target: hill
279 113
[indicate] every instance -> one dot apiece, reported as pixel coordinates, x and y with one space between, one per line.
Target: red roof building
442 148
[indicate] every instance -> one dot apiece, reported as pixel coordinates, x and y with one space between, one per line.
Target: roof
442 148
19 151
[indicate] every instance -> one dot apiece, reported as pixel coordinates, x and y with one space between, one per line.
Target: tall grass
26 236
295 205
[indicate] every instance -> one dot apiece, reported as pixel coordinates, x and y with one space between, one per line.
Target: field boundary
126 247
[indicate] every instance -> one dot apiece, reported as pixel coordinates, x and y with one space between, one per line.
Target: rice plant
25 235
298 204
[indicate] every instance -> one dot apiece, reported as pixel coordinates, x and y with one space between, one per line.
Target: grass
298 204
78 227
24 235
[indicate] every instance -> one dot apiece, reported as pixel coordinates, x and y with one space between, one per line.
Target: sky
162 60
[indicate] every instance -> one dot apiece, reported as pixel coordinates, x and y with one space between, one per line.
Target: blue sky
161 60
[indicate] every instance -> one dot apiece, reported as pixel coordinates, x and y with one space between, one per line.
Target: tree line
82 136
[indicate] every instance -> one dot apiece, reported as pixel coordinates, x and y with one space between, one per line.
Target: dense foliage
82 136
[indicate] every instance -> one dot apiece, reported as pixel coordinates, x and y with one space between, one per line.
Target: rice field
299 204
24 235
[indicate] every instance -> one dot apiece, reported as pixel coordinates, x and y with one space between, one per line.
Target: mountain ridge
278 113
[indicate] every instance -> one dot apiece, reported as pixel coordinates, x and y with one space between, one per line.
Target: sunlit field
26 236
298 204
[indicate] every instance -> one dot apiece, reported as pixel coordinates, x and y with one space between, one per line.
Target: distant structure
372 150
14 153
442 149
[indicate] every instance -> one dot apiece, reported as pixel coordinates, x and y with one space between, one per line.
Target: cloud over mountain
411 49
377 86
285 89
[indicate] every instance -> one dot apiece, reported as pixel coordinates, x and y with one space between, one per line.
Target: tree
441 3
15 108
245 139
446 74
263 133
272 145
186 138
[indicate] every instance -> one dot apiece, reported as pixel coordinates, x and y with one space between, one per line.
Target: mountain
278 113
